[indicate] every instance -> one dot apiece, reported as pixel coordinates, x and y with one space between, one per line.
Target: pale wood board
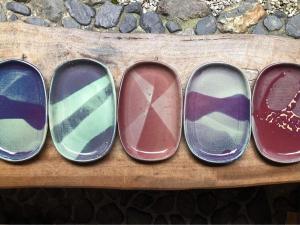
48 47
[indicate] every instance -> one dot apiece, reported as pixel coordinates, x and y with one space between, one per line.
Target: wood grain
49 47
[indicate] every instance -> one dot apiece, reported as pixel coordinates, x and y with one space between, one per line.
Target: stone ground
245 205
257 205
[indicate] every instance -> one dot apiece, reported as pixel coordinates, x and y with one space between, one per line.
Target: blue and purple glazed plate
82 110
217 113
23 111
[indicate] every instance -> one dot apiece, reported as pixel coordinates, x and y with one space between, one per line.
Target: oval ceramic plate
23 111
276 113
82 110
217 113
150 111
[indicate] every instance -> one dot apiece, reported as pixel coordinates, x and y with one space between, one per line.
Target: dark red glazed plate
276 113
149 112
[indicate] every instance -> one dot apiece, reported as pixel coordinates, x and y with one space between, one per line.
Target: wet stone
240 219
13 17
49 9
206 25
160 220
142 201
18 8
273 23
109 214
245 194
113 194
33 214
135 216
95 195
126 197
293 26
260 28
258 209
164 204
2 14
186 204
37 21
26 194
9 208
176 219
294 199
152 23
69 22
198 220
207 203
3 219
7 192
128 24
280 217
83 211
108 15
75 194
134 7
173 27
226 194
82 13
55 192
225 214
60 213
282 204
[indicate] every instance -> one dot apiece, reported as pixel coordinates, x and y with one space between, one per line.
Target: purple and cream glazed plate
217 122
23 111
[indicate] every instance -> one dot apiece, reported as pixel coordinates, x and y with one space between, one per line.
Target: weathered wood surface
49 47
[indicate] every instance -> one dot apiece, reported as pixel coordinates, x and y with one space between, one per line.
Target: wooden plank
49 47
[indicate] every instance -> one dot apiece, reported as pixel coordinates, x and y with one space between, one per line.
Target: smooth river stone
217 113
276 113
149 113
82 110
23 111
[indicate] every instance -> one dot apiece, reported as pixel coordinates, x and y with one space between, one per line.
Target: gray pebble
13 17
2 14
273 23
82 13
293 26
49 9
151 23
280 14
128 24
37 21
108 15
260 28
206 25
134 7
173 26
69 22
18 8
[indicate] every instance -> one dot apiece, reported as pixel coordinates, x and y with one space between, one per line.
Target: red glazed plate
150 111
276 113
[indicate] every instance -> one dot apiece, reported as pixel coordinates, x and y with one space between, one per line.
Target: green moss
189 23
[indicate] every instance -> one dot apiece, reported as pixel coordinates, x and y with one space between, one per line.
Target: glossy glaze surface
23 111
149 112
276 110
217 113
82 110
